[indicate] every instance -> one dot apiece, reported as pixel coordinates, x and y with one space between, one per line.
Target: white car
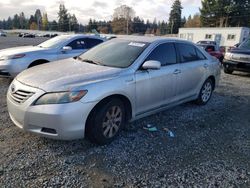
15 60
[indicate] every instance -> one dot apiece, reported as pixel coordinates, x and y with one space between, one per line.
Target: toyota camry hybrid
115 82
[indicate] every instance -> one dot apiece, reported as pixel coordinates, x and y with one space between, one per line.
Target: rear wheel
205 92
105 122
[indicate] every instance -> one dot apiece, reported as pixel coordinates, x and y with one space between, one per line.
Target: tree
193 21
63 18
53 26
124 14
224 13
73 23
22 21
175 17
45 21
38 18
33 26
15 22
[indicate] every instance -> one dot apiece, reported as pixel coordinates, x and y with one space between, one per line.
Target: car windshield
115 53
54 42
245 44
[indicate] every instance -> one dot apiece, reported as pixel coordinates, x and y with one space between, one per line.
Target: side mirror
66 48
151 64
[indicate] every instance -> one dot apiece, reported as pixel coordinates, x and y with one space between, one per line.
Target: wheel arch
127 104
38 62
212 78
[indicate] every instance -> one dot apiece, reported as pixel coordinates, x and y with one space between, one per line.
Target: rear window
189 53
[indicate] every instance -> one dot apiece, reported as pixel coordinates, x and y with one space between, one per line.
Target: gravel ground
211 147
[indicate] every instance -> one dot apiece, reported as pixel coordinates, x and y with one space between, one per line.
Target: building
225 36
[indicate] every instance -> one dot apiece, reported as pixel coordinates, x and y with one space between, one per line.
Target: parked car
28 35
207 42
238 58
15 60
213 50
3 34
21 34
115 82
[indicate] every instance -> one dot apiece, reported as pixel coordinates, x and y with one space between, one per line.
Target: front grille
20 96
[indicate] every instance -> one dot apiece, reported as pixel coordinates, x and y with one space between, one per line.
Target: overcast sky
97 9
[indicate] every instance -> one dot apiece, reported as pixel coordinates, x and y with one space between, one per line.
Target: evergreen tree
22 21
63 18
45 21
38 18
175 17
224 13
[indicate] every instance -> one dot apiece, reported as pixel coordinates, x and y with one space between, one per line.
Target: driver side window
78 44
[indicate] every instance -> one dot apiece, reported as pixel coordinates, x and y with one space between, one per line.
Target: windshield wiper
89 61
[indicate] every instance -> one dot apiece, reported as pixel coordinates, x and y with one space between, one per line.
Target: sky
96 9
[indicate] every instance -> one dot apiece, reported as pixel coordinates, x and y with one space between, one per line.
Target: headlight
60 97
228 56
17 56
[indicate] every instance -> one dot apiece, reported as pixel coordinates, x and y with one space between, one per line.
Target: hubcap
112 121
206 92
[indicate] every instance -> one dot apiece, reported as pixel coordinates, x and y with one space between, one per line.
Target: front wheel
106 122
228 70
205 92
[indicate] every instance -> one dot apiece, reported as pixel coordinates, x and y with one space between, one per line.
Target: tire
228 70
106 122
205 92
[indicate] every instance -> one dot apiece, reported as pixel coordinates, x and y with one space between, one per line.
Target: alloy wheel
112 121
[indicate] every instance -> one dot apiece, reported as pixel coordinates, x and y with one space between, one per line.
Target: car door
78 46
192 70
156 88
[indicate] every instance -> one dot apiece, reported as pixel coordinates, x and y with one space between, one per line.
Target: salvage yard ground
211 147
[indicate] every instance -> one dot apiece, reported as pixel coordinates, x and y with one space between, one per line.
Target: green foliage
175 21
63 18
225 13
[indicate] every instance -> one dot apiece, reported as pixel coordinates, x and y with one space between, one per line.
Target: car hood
240 51
18 50
66 75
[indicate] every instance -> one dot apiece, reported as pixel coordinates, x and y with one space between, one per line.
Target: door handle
177 71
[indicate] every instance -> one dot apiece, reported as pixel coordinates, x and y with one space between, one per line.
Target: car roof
149 39
68 36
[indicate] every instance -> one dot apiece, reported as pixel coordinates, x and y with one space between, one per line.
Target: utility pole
127 26
172 25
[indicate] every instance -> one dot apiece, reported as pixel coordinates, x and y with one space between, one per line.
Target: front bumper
56 121
12 67
240 66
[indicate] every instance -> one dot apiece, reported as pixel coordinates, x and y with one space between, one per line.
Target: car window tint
187 53
78 44
164 53
200 55
93 42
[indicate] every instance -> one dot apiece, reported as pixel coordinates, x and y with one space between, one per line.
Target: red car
213 50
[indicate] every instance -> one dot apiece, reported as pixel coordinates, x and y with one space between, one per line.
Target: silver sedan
118 81
15 60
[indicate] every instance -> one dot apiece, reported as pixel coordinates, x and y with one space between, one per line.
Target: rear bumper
240 66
